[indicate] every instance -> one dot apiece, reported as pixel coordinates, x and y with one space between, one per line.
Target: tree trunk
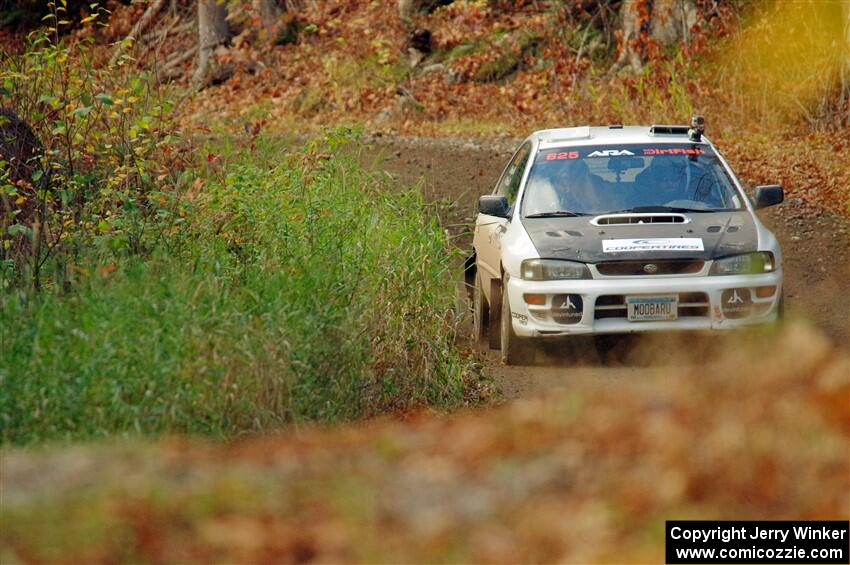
845 67
269 14
663 21
406 9
212 32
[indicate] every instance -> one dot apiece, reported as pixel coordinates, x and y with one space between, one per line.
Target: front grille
691 305
639 268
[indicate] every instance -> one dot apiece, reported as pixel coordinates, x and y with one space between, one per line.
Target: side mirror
769 195
494 206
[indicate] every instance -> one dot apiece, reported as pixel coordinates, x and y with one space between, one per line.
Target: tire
514 349
779 321
494 319
480 312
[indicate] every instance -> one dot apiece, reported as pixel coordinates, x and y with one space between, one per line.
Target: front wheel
514 349
480 312
779 321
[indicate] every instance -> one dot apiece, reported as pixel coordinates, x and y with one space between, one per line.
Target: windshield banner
645 150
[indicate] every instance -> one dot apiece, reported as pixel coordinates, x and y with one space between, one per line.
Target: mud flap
495 335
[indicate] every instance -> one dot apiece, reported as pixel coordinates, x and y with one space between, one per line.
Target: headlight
553 269
749 264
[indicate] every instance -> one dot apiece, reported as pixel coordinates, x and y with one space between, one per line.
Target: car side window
512 177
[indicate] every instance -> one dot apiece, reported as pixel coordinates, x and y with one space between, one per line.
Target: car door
489 229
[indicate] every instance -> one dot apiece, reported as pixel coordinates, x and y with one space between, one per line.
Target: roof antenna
697 127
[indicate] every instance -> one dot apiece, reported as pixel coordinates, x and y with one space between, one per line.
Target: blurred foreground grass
586 474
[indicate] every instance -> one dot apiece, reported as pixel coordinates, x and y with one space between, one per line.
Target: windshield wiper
556 214
650 209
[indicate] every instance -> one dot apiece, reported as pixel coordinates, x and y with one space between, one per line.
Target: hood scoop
632 219
587 243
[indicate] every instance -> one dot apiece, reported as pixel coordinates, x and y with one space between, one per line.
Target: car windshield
648 178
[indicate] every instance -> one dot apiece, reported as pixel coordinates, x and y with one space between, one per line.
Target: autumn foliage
505 70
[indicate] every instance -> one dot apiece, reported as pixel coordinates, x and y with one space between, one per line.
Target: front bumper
700 305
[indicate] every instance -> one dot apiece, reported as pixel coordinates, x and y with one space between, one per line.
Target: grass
301 288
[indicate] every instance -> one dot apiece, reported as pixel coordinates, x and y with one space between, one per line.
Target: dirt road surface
454 172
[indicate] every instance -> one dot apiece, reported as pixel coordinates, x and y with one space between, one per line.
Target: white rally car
615 230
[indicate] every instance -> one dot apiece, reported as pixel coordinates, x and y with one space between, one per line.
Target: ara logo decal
611 153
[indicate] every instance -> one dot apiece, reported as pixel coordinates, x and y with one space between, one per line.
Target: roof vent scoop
697 128
657 129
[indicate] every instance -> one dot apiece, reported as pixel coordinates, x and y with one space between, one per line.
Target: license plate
652 308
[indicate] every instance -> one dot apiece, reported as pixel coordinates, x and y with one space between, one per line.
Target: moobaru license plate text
652 308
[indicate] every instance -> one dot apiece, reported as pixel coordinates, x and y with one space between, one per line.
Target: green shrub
300 287
100 160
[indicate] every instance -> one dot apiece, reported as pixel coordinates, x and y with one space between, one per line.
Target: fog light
567 308
765 291
535 299
736 303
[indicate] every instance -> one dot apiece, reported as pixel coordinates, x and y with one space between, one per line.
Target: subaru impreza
616 230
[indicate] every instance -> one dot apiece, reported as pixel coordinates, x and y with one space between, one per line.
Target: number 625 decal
561 156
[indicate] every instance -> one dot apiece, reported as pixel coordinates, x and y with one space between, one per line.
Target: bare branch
140 26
